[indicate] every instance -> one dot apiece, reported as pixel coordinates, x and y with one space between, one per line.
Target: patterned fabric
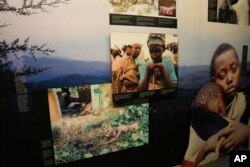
130 68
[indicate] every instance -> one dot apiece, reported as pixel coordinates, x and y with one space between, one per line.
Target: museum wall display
124 82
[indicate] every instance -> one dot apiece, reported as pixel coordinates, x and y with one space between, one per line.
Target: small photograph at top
167 8
143 7
229 11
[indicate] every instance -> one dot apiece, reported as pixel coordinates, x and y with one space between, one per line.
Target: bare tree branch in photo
16 47
30 7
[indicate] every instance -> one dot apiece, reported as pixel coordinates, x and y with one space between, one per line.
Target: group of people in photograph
131 72
145 7
123 6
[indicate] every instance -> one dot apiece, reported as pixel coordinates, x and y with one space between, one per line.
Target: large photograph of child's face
85 123
143 62
220 116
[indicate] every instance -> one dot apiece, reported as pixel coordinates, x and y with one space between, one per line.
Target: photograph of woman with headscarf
137 52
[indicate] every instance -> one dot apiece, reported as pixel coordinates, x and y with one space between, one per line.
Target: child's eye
234 68
222 76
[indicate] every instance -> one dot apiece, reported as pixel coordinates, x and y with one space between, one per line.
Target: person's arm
233 136
143 85
236 136
200 156
213 144
128 80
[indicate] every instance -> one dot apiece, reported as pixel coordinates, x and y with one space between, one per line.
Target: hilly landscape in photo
66 72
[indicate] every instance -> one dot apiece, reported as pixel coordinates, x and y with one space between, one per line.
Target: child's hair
209 95
220 49
206 118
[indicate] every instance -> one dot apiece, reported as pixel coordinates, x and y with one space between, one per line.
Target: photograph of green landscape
85 123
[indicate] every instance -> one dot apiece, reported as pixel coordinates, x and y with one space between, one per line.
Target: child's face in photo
227 72
156 53
135 50
128 51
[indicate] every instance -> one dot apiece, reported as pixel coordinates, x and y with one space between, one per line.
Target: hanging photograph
153 13
143 64
167 8
229 11
219 103
59 56
85 123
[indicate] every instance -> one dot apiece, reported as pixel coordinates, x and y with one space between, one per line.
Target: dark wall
169 130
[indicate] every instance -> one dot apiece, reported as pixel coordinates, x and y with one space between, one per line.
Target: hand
123 77
159 65
235 135
126 82
211 143
152 66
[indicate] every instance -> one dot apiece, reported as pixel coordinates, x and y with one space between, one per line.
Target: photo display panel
148 13
229 11
85 123
143 65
